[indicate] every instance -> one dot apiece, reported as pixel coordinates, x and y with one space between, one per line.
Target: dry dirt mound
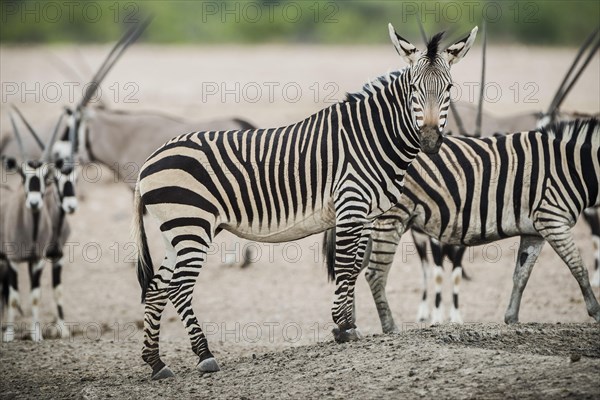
478 360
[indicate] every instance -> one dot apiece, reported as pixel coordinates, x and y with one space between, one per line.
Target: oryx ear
458 50
407 51
10 163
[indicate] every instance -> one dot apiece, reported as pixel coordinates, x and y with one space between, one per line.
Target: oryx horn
17 136
48 149
29 127
478 121
561 92
118 49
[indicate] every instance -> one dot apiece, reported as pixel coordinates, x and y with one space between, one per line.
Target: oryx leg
529 250
14 303
592 217
385 237
456 256
437 316
421 240
35 274
58 297
560 237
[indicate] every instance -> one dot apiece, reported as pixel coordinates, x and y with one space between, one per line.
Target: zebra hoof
511 319
164 373
208 365
348 335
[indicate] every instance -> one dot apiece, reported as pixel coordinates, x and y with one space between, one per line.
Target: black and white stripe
342 166
475 191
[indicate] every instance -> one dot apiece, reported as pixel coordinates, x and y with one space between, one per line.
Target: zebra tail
329 253
145 269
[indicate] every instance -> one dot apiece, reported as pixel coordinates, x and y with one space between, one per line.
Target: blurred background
539 22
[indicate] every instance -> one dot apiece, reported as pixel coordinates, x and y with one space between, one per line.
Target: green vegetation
294 21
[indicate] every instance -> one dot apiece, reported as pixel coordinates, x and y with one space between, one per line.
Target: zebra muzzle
431 139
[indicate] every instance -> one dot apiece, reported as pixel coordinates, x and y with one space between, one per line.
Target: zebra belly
475 233
291 229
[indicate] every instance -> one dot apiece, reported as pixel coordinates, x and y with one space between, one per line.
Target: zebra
592 217
342 166
455 253
532 184
27 228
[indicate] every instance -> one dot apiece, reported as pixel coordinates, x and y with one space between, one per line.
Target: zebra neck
392 123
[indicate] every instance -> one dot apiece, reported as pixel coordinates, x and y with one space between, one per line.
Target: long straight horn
17 136
65 69
477 132
131 36
50 144
576 77
559 92
29 128
73 141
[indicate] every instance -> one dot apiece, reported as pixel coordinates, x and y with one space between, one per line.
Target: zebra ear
407 51
458 50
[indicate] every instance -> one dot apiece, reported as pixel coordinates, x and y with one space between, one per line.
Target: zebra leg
421 241
592 217
351 241
180 290
13 302
58 297
529 250
560 238
385 237
155 302
437 316
35 273
457 253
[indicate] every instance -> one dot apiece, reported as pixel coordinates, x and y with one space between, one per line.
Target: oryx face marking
66 177
35 176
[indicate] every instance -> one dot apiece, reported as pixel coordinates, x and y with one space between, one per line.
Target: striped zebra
592 217
475 191
342 166
497 126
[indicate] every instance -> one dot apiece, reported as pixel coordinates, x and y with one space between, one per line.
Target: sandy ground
474 361
279 308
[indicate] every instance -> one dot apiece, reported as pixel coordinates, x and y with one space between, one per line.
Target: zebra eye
413 88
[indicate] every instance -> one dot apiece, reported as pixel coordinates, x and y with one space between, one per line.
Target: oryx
27 226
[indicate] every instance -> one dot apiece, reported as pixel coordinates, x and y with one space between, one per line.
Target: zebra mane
432 46
573 129
374 86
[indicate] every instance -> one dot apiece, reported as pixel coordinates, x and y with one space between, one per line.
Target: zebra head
36 174
430 83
